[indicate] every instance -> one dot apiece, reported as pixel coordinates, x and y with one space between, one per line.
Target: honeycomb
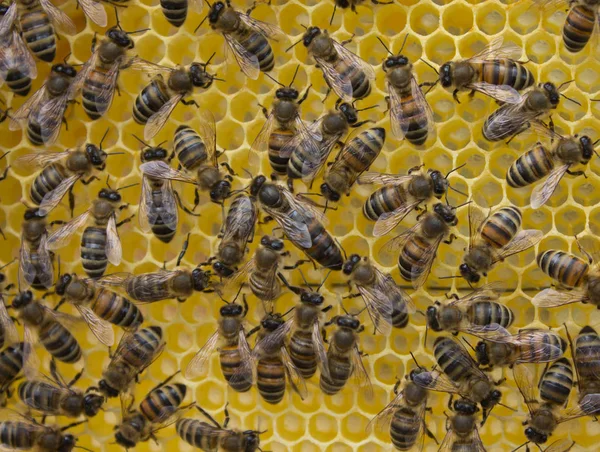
438 31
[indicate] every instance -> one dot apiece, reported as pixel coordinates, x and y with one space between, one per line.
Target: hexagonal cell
491 18
523 19
455 134
323 427
457 19
394 20
439 48
424 19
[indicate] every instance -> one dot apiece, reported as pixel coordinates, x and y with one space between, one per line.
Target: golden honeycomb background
438 31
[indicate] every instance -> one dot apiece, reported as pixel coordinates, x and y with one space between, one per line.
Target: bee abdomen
149 101
501 227
270 379
324 249
117 310
445 351
34 132
161 231
416 132
303 354
145 344
361 86
162 402
587 353
530 347
93 251
507 72
11 363
262 288
189 147
530 167
47 181
384 200
175 11
492 134
92 102
278 139
38 33
410 260
578 27
339 372
17 82
16 435
60 343
231 361
399 313
404 428
567 269
557 382
40 396
364 149
257 44
487 312
197 433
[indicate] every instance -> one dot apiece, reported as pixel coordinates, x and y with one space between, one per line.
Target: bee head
271 322
200 279
352 262
272 243
33 214
96 155
105 388
446 75
200 78
329 193
157 153
481 352
447 213
287 93
439 182
463 406
587 147
252 439
231 310
67 443
347 321
349 112
92 404
220 190
310 34
552 93
215 12
469 274
65 69
492 399
63 282
23 299
222 270
109 195
312 298
257 184
534 436
395 61
120 38
432 320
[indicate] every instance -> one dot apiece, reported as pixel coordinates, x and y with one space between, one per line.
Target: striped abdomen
578 27
405 427
17 82
145 343
59 342
324 250
410 261
530 167
175 11
587 353
568 270
256 44
501 227
41 396
399 312
264 285
445 351
487 312
17 435
163 402
231 361
529 346
47 181
11 363
277 140
384 200
505 72
189 147
198 434
557 382
340 368
361 85
34 132
150 100
302 352
161 231
92 101
415 115
270 379
495 133
117 310
93 251
37 30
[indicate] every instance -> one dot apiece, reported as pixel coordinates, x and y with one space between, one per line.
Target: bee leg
352 295
208 416
361 123
228 168
327 308
424 211
376 2
583 251
196 198
264 110
183 249
227 417
290 184
184 208
450 239
190 102
297 264
327 95
347 41
577 173
90 180
5 173
450 400
252 331
60 303
455 96
472 94
305 95
94 42
126 220
71 201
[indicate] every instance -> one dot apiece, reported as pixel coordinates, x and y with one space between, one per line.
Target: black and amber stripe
93 251
175 11
505 72
277 140
578 28
256 44
445 351
231 361
41 396
37 30
410 261
197 433
340 368
487 312
270 379
17 82
161 403
144 345
150 100
11 364
17 435
587 353
399 312
405 427
501 227
302 352
415 115
532 347
48 180
557 382
384 200
189 148
530 167
59 341
568 270
324 250
93 85
117 310
361 85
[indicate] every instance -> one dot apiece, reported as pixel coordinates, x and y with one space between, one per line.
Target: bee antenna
341 248
454 169
366 108
74 424
457 191
209 60
4 155
288 311
431 66
564 84
117 17
462 205
107 179
572 100
304 26
137 31
524 444
384 46
403 43
140 140
295 44
294 77
449 277
6 265
103 137
303 278
127 186
219 79
114 153
333 14
415 360
344 308
66 57
238 293
84 448
323 282
279 83
200 24
469 344
507 407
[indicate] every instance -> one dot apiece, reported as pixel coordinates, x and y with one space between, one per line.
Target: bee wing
52 198
509 117
268 30
294 376
50 116
418 276
100 327
497 50
7 21
197 365
272 342
476 440
589 405
306 138
119 279
521 242
542 192
20 117
526 385
247 61
161 170
382 420
146 214
27 271
484 293
208 133
372 177
83 73
293 225
152 70
14 53
244 215
169 213
361 376
476 220
448 442
396 244
61 237
436 381
304 205
319 348
540 353
314 162
95 11
158 119
353 61
261 142
240 275
389 220
11 336
560 445
340 85
404 122
502 93
388 286
105 96
491 332
40 160
551 298
114 252
31 362
58 18
142 353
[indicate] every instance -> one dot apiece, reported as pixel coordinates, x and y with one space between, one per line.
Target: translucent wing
95 11
485 293
239 277
61 237
403 117
420 273
296 379
105 96
355 60
31 362
319 348
397 243
84 72
147 215
476 219
114 280
339 84
152 70
197 365
261 142
7 21
113 243
436 381
238 222
526 385
149 287
169 213
389 220
542 192
361 376
497 50
509 119
306 138
268 30
503 93
58 18
15 54
53 198
560 445
371 177
50 116
19 118
11 336
159 119
382 420
208 133
314 162
161 170
521 242
551 298
27 270
308 209
41 159
100 327
247 61
535 345
46 271
272 342
589 405
448 442
292 223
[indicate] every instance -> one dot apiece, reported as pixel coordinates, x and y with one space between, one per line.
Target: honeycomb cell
491 18
523 19
424 19
540 46
391 20
455 134
439 48
323 427
572 221
457 19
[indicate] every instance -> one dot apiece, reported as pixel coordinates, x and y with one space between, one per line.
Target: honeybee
100 243
94 11
155 412
345 73
55 397
43 113
283 123
510 120
11 365
579 24
236 233
494 72
494 238
169 86
404 416
196 153
459 375
35 261
387 304
246 37
20 432
300 221
468 314
98 306
545 417
461 428
38 20
234 351
401 194
216 436
135 352
353 159
419 244
410 114
17 66
554 163
586 357
175 11
527 346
